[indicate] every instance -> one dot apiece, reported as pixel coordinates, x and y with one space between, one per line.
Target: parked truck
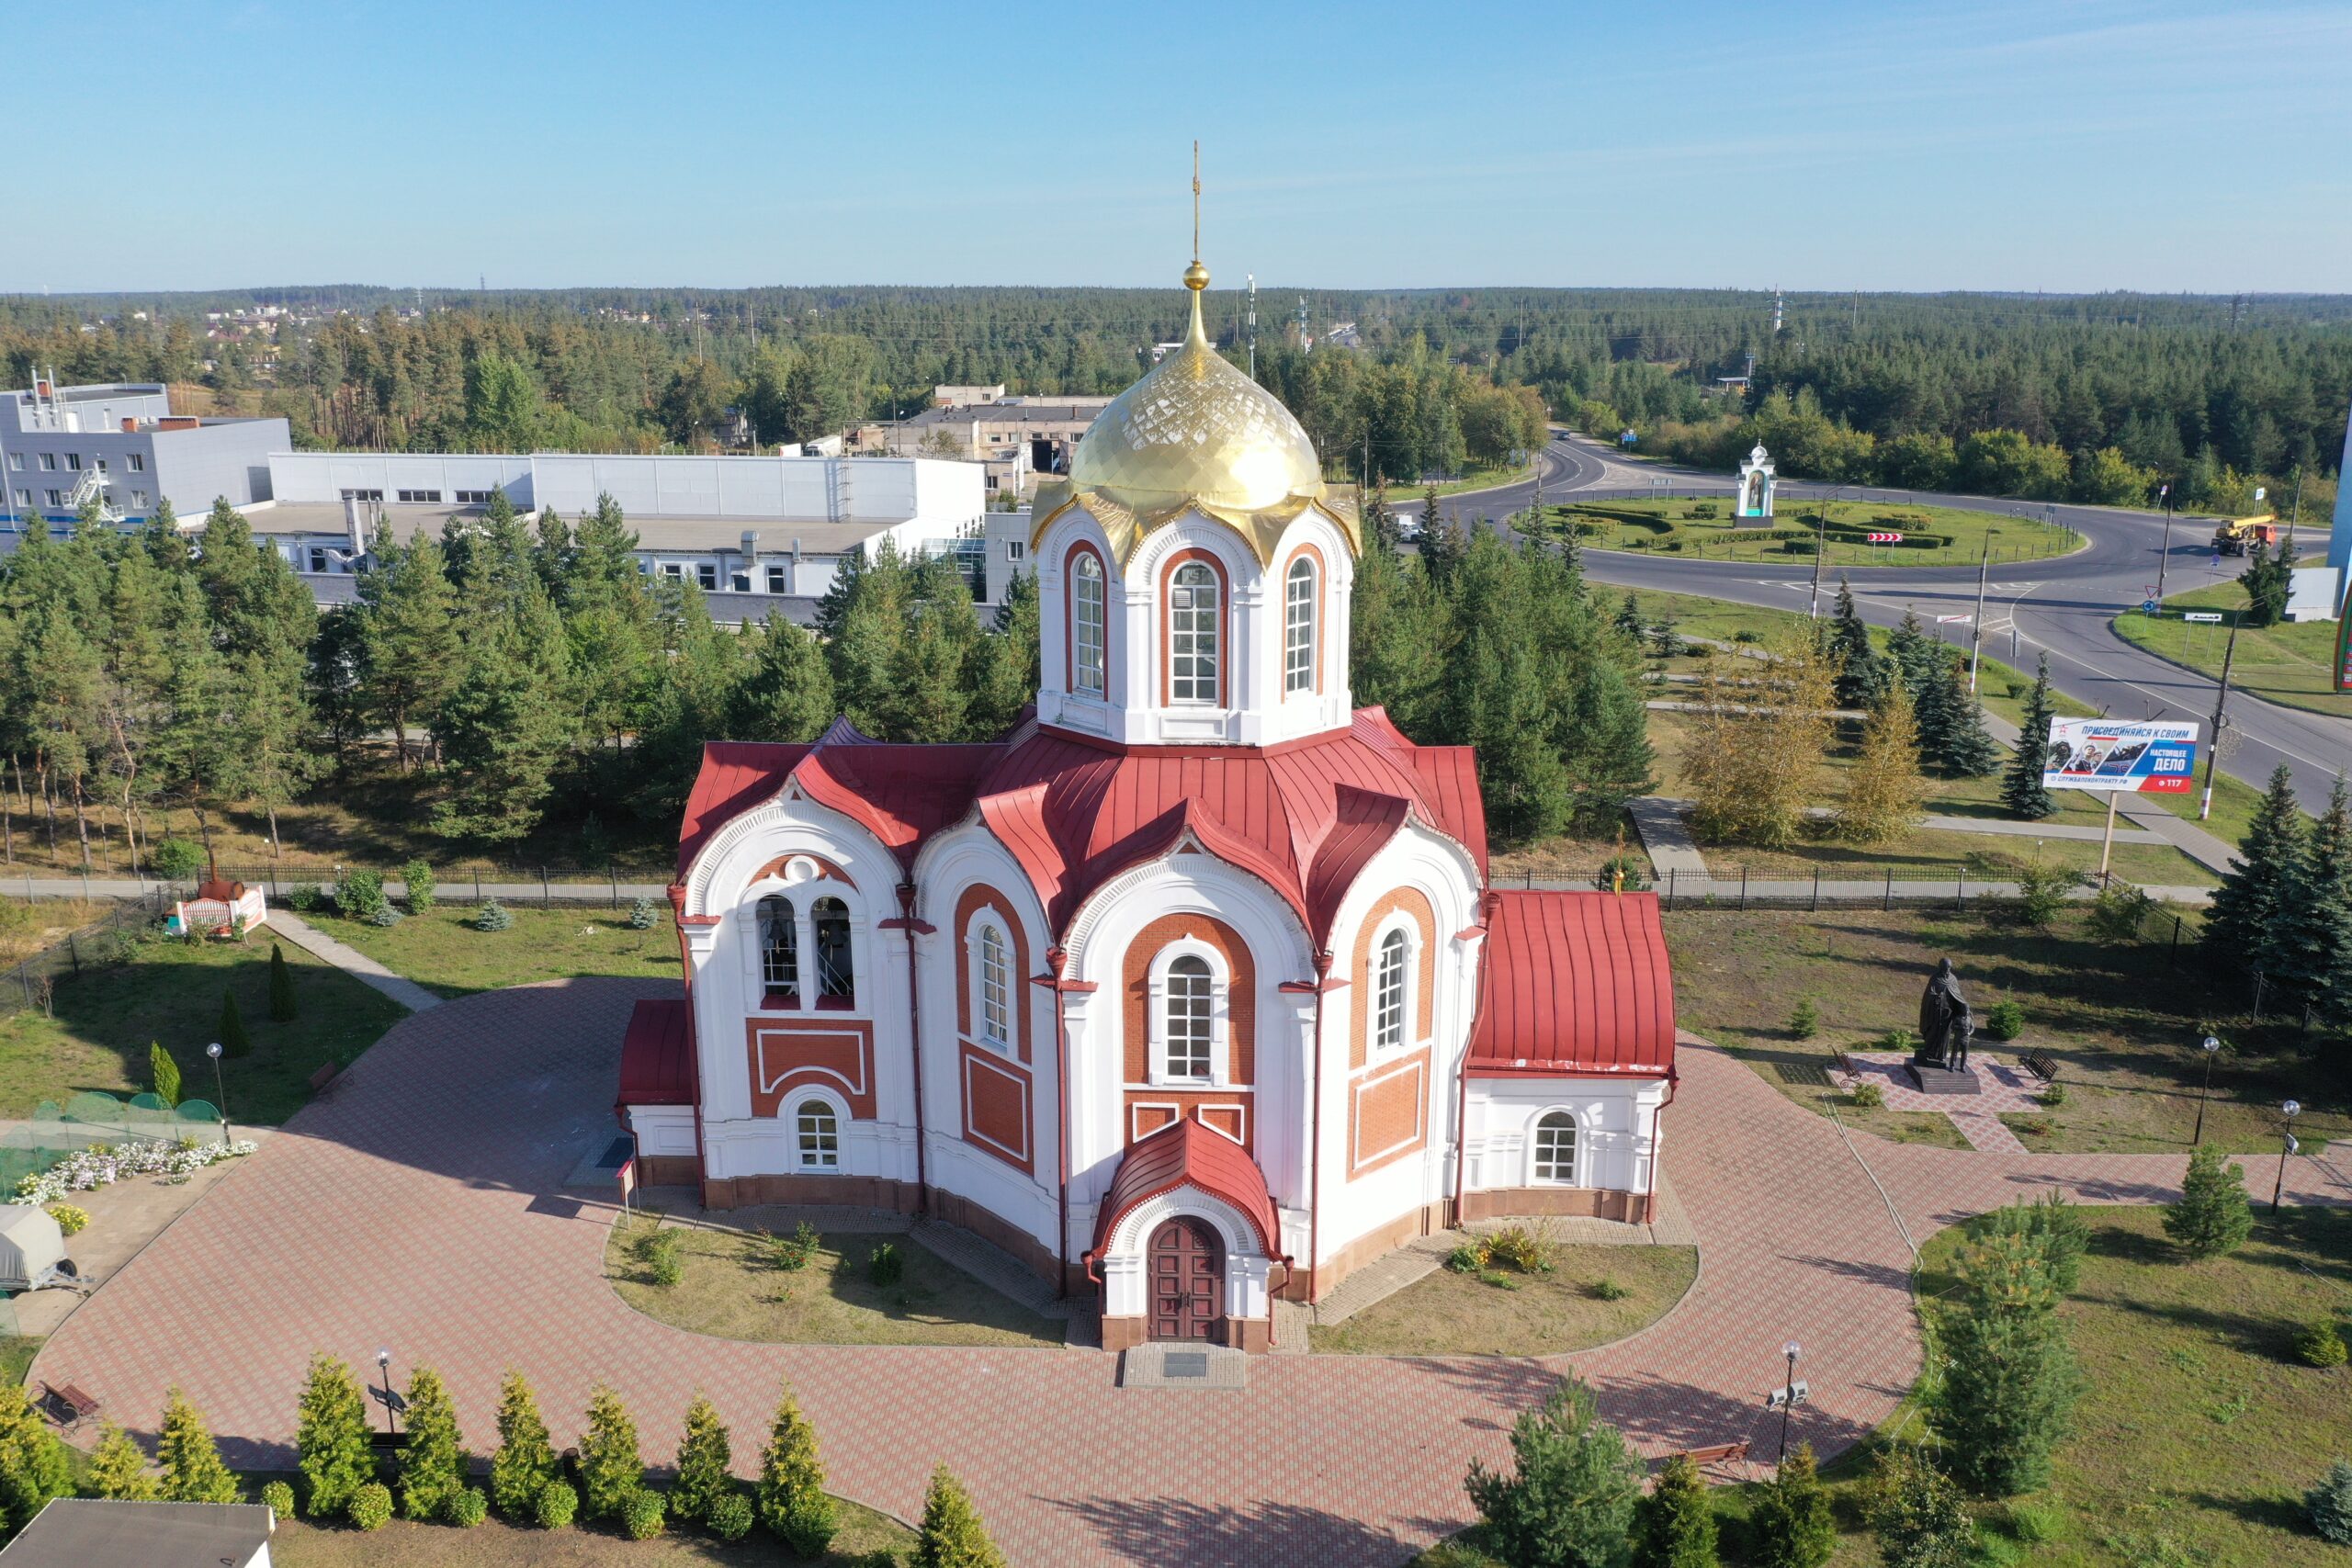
2236 536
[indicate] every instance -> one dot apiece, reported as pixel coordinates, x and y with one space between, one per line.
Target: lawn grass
732 1289
28 925
17 1353
1685 526
1505 1312
170 992
441 951
2292 663
1493 478
865 1538
2122 1022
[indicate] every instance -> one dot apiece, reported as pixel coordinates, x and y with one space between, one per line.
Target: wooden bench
2041 1064
66 1405
324 1079
1717 1454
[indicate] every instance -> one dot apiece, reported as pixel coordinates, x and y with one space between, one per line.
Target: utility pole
1252 326
2164 558
2220 717
1820 545
1984 571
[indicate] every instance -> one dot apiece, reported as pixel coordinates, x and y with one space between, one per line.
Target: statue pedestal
1932 1080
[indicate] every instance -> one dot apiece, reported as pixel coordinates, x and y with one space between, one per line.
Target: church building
1191 991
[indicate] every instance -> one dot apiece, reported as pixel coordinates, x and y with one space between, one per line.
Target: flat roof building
122 446
98 1532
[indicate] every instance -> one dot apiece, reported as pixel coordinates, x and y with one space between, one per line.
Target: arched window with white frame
1088 609
817 1135
779 948
1195 632
1299 607
1192 996
1390 995
1554 1154
992 986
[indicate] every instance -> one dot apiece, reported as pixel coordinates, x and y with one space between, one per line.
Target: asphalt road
2062 608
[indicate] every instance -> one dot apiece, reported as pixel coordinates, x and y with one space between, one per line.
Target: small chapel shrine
1191 991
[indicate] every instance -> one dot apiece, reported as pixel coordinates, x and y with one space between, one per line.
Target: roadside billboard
2115 755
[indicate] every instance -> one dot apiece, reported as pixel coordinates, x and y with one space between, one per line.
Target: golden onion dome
1196 429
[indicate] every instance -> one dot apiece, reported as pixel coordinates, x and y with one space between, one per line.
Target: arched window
779 948
836 976
1086 622
1193 628
1191 1000
1555 1148
817 1136
995 988
1298 626
1388 993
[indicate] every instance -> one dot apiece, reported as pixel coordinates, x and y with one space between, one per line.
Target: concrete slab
1666 836
351 961
1183 1366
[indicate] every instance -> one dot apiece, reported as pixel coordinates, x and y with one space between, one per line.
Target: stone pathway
2074 830
351 961
1666 835
422 1208
2001 1089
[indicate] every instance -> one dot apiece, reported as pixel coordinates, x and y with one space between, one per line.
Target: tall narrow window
1556 1147
1085 615
780 949
996 988
836 976
1192 625
818 1133
1388 993
1298 626
1191 999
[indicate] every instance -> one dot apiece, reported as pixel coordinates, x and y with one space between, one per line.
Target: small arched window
1191 1001
995 988
1298 626
1555 1148
836 974
817 1136
1192 631
779 948
1388 993
1086 622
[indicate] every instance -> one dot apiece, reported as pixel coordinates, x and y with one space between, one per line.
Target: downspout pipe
694 1036
914 928
1462 1083
1054 980
1649 1198
1315 1142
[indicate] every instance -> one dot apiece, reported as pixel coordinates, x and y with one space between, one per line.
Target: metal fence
1885 888
30 983
92 1119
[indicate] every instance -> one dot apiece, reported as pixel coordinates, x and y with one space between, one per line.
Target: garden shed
30 1246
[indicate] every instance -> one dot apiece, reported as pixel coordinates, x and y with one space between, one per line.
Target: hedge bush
371 1506
2321 1344
641 1516
280 1498
469 1507
558 1506
419 877
493 917
729 1517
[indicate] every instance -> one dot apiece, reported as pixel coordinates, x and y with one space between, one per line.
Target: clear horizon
1990 147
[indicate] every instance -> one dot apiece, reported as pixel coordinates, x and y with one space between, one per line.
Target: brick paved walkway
1978 1116
422 1210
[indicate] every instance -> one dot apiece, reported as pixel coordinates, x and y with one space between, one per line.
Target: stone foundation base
896 1197
1575 1202
669 1170
1254 1336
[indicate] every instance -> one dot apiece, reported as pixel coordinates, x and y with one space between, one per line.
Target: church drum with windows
1190 992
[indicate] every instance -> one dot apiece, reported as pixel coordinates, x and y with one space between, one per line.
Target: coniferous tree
525 1461
1917 1513
1951 726
281 990
433 1466
1795 1524
1914 655
2268 580
410 642
1629 616
952 1535
2211 1215
1568 1499
704 1457
164 1072
611 1472
2320 964
1675 1525
2251 922
118 1470
792 1498
1883 789
786 692
2005 1392
2022 790
234 1041
192 1469
1862 675
33 1466
331 1445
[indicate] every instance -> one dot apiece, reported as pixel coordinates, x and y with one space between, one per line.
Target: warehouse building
122 446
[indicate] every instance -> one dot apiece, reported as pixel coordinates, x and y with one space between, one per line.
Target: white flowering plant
101 1165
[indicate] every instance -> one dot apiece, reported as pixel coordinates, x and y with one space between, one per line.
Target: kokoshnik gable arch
1190 989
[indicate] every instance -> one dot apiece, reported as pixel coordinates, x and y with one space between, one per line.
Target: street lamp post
219 1091
1789 1394
2164 556
2287 1145
1983 576
384 1370
2213 1048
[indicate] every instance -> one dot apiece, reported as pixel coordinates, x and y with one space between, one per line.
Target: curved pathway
420 1209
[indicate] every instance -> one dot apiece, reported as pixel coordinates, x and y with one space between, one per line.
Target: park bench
324 1079
2041 1064
1718 1453
66 1405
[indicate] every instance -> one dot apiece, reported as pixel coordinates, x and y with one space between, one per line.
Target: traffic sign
1885 538
2149 606
2202 615
1946 620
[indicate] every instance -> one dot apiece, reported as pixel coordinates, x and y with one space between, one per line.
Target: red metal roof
1186 1154
1575 983
902 793
657 1055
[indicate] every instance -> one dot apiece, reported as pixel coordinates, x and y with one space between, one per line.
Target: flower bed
102 1164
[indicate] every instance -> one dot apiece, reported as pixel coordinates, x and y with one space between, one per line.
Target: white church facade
1191 991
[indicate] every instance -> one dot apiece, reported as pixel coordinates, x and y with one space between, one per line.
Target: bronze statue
1945 1022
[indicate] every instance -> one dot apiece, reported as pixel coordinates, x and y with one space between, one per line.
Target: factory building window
740 582
430 496
57 498
320 561
139 499
707 574
775 579
138 461
49 462
24 498
74 462
17 462
374 495
472 497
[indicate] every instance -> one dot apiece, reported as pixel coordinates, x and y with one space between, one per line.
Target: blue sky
2069 144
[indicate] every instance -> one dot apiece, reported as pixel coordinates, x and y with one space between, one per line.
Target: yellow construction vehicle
2238 535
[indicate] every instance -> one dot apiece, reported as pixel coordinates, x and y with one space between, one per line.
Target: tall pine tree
2022 790
330 1444
2252 922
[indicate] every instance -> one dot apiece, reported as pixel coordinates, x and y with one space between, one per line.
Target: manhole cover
1185 1364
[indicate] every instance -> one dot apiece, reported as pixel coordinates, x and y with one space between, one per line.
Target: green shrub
281 987
492 916
2121 912
2211 1215
1623 872
611 1472
1465 1260
2043 891
525 1463
2320 1344
383 915
176 860
1868 1095
729 1517
2054 1093
360 894
1608 1289
1804 1020
2329 1505
642 1514
2036 1523
469 1508
2005 1020
279 1497
303 897
644 915
1901 1040
885 1265
557 1506
419 877
234 1041
371 1506
658 1251
704 1458
1522 1247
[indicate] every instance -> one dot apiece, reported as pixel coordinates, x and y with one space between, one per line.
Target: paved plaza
421 1209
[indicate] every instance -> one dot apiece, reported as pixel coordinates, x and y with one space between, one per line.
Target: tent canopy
30 1245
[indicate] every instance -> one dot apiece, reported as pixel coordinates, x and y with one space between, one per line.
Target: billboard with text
2155 758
